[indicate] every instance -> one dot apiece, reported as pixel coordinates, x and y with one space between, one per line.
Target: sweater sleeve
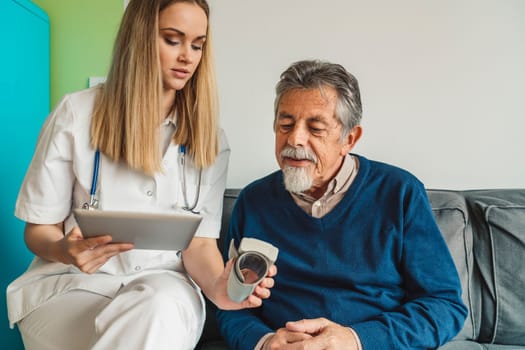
241 329
433 311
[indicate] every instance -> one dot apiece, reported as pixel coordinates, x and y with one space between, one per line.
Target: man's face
308 144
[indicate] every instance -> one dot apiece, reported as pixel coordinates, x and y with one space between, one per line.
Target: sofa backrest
230 196
485 233
452 216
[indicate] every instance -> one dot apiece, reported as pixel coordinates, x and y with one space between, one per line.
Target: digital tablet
145 230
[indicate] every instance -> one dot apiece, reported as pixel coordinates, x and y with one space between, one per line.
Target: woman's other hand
261 291
204 263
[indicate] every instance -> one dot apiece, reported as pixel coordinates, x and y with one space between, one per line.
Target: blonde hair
127 114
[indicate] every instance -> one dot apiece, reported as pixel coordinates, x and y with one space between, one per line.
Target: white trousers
156 311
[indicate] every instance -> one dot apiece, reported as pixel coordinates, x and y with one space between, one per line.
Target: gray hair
312 74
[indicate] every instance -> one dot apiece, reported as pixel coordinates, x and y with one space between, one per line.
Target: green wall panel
82 34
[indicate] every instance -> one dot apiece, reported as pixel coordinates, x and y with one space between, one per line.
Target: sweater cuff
372 335
261 341
356 337
260 344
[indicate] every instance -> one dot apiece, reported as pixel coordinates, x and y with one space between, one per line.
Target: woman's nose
185 54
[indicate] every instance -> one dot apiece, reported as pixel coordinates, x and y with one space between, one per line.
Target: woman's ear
351 139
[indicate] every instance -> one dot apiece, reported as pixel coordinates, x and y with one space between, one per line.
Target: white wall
442 82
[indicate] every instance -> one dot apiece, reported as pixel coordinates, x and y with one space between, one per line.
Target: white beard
297 179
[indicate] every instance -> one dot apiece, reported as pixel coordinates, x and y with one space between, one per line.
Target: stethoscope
93 201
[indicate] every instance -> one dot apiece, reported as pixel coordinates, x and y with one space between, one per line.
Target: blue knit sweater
377 263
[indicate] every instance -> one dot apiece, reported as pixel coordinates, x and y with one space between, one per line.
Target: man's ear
351 139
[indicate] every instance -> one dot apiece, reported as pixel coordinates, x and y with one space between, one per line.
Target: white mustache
299 153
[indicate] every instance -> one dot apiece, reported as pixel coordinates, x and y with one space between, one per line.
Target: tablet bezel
158 231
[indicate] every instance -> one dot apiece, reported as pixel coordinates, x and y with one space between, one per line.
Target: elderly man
362 263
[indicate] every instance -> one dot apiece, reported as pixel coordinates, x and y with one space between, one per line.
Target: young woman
153 127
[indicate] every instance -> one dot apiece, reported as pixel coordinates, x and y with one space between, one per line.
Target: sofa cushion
451 213
470 345
462 345
500 252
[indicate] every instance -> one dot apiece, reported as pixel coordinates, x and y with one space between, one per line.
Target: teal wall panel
24 101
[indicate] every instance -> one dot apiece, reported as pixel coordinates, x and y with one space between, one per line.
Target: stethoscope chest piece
92 205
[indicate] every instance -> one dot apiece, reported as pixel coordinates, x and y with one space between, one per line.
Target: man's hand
285 339
312 334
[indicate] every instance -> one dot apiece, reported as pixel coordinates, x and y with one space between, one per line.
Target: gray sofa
485 232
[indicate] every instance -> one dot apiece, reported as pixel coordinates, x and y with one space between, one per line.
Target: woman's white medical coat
59 179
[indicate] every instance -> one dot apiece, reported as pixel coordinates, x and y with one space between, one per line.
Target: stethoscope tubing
187 207
94 179
93 202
